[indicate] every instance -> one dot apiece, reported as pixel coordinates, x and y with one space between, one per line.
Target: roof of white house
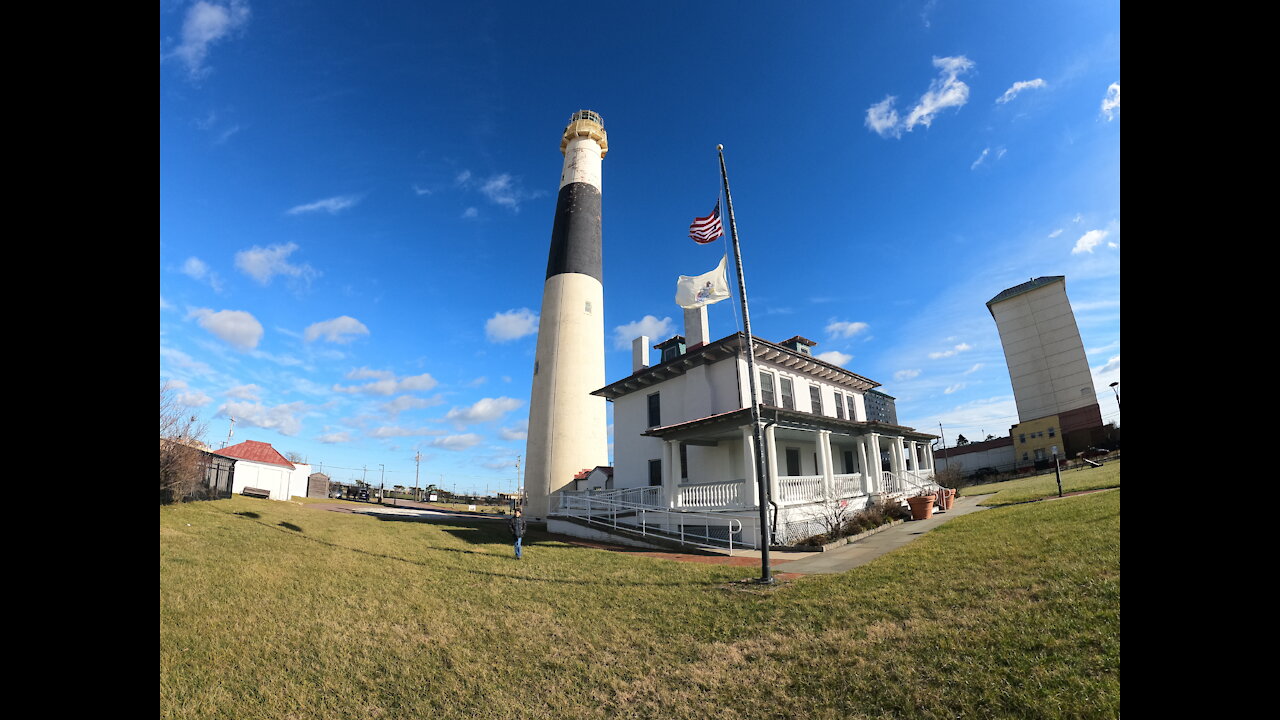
727 347
255 451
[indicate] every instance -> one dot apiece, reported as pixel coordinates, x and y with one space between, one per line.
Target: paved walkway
864 551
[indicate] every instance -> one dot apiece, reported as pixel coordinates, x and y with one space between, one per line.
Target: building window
839 408
815 400
766 389
684 461
1051 433
655 410
655 472
788 398
793 461
852 414
848 461
1022 438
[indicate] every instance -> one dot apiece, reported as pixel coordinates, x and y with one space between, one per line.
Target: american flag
705 229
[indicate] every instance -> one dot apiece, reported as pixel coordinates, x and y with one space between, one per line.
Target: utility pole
417 462
382 484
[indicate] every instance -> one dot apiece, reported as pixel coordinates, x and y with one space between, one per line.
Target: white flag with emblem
698 290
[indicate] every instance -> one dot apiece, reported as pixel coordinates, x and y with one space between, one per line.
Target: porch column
749 464
895 457
873 462
771 445
824 462
915 457
670 452
862 464
928 453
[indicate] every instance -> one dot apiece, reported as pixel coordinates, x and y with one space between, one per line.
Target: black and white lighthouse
567 424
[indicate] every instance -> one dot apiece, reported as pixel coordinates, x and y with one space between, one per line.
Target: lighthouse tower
567 424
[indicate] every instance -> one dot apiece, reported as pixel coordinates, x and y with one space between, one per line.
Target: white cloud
470 213
420 191
331 205
409 402
1018 87
949 353
1055 233
262 264
463 179
284 419
457 442
507 191
197 269
974 369
234 327
883 118
334 438
902 375
365 373
945 91
511 325
245 392
1111 102
339 330
387 384
1089 241
954 388
649 326
391 431
519 431
981 158
483 410
845 329
207 23
1107 373
835 357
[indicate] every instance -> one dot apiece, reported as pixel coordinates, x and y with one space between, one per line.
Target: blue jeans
518 546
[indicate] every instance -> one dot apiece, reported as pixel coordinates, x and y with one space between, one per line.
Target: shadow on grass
531 540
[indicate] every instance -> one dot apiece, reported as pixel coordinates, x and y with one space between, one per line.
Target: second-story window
852 414
788 398
815 400
655 410
839 408
766 389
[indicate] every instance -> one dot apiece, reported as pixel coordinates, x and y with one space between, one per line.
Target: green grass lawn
277 610
1044 486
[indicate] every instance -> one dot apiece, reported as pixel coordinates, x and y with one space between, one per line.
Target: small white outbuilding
259 465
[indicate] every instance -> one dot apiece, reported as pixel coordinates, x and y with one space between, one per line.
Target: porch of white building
810 461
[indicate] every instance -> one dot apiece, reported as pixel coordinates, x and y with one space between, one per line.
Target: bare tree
181 441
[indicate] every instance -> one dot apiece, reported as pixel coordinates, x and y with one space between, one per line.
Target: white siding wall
280 481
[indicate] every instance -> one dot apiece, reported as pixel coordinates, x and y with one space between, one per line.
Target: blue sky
356 202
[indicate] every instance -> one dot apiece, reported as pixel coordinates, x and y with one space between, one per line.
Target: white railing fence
799 488
688 528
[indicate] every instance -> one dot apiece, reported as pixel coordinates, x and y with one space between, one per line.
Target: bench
256 492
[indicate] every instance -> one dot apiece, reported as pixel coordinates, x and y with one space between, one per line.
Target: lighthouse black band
575 235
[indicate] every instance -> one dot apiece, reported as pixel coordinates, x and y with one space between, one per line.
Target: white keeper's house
684 453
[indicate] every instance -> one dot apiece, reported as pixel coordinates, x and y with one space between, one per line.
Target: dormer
799 344
671 348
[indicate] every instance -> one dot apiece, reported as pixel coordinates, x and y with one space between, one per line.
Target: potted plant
922 505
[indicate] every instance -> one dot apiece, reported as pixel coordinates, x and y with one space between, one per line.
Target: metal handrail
606 511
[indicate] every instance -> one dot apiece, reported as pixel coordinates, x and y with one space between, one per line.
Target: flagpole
761 479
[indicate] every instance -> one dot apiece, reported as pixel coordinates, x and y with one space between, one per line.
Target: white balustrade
799 488
710 495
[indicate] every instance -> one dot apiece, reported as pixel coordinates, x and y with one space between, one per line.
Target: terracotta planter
922 507
948 498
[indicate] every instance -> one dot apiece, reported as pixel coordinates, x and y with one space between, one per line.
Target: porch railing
727 494
799 488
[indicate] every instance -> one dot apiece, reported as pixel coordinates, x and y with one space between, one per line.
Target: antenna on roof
230 432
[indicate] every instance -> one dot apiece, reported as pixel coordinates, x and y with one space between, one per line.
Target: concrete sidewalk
864 551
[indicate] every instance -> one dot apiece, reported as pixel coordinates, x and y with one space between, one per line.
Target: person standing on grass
518 527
